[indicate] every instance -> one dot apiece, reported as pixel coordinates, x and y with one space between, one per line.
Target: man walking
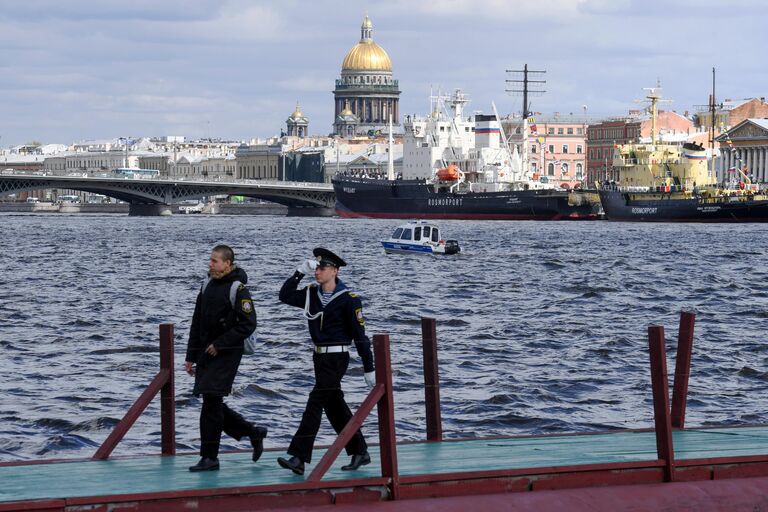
224 316
335 319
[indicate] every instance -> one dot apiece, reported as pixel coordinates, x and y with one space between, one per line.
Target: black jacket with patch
341 321
217 322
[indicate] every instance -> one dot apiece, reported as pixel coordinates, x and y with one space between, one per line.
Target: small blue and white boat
419 237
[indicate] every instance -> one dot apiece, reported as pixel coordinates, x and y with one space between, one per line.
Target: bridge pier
149 210
310 211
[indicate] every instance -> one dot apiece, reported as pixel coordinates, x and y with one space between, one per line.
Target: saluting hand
212 350
189 367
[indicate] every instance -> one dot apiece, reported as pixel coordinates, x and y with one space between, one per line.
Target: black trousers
216 417
326 396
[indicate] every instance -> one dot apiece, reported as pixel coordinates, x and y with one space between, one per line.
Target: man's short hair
226 252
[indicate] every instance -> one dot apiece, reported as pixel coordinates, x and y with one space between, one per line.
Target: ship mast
525 91
711 163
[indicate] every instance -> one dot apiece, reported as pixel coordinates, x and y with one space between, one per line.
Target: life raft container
450 173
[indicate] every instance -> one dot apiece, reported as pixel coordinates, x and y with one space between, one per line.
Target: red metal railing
380 395
682 368
665 420
163 384
431 380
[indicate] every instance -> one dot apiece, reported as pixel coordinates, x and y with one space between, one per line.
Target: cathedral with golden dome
366 95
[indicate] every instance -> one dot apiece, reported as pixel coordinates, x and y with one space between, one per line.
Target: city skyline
235 69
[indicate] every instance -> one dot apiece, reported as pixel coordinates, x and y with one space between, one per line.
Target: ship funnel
487 131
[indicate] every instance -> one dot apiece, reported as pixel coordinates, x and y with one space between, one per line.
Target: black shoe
294 464
205 464
357 461
257 441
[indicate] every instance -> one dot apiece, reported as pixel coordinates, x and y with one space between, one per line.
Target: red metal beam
345 435
132 415
660 387
167 393
682 368
431 379
386 413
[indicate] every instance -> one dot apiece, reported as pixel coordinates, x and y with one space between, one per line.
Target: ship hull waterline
618 206
381 199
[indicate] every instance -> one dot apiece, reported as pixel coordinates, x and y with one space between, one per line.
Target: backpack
249 343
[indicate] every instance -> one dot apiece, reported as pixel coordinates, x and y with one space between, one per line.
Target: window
570 131
579 131
550 131
579 171
533 166
565 148
406 234
417 233
564 169
579 149
426 232
551 148
533 148
551 169
559 131
435 235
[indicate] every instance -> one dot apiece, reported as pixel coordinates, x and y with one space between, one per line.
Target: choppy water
542 326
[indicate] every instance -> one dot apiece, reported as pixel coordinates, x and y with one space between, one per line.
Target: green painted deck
151 474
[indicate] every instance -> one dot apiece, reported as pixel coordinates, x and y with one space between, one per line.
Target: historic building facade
366 95
745 147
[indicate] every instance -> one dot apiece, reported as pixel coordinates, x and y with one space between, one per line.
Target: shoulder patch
359 316
241 287
246 305
353 295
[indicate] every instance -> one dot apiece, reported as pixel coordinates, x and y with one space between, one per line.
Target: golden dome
297 113
366 55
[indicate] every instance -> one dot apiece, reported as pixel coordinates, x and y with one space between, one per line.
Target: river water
542 326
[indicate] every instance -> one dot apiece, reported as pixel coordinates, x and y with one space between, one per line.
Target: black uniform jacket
217 322
341 321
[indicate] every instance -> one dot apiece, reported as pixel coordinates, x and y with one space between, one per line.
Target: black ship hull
407 199
633 206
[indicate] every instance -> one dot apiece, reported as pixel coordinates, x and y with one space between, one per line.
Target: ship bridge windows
397 233
426 232
417 233
435 235
406 234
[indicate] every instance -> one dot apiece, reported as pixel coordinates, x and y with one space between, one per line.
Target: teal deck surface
151 474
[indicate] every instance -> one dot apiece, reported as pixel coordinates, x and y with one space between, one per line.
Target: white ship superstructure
475 146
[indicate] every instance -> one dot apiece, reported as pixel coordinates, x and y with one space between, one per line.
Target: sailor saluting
335 318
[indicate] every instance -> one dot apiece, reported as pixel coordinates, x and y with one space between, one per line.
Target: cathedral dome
366 55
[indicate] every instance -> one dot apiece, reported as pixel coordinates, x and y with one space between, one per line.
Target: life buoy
441 242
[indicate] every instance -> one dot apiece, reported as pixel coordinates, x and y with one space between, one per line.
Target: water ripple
541 327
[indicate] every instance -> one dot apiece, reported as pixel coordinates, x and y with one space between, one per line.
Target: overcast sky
83 69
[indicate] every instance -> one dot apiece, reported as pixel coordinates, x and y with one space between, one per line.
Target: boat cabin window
435 235
426 232
397 233
417 233
406 234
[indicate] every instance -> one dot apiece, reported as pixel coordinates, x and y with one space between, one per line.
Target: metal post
167 393
386 413
682 368
662 420
431 380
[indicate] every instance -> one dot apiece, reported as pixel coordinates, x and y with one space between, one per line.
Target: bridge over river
155 196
